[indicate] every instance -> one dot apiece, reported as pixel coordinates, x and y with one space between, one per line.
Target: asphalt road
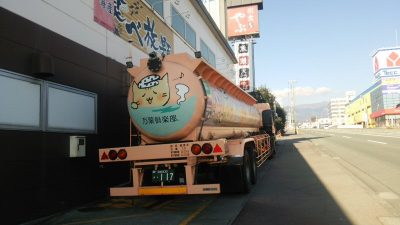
317 177
330 177
376 153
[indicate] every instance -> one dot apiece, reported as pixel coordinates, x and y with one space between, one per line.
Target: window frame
71 90
203 45
176 13
44 104
152 6
213 62
194 32
21 77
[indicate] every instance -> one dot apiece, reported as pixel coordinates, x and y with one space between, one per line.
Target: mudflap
231 178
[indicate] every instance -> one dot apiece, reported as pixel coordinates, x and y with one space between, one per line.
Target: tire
246 173
253 174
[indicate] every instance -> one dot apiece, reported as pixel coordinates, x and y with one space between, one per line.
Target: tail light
112 154
196 149
207 148
122 154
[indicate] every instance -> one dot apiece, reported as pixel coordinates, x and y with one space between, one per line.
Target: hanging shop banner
386 62
244 67
103 13
135 22
243 21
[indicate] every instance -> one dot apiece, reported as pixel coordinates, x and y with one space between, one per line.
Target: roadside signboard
391 84
136 23
244 67
386 62
242 21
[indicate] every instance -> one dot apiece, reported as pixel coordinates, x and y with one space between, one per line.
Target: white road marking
336 157
388 195
383 143
346 137
376 135
390 220
388 135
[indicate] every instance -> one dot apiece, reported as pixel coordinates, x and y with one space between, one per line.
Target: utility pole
292 105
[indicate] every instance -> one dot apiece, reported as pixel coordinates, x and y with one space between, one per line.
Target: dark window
204 50
44 105
190 36
157 5
207 54
183 28
178 23
211 58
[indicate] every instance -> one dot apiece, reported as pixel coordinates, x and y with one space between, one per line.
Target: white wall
74 20
223 60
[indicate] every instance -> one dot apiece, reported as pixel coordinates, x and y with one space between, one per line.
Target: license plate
162 176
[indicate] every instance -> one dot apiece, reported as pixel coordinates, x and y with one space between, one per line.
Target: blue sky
325 45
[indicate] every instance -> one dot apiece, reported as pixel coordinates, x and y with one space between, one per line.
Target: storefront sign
242 21
386 62
391 84
388 72
244 68
135 22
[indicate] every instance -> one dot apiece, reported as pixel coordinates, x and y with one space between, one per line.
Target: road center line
346 137
195 213
383 143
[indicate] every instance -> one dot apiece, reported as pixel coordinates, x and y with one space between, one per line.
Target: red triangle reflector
104 156
217 148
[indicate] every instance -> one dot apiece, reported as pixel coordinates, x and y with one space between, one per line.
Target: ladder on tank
134 135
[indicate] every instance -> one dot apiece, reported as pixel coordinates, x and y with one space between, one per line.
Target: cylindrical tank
167 103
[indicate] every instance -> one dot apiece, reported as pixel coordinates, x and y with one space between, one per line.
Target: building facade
63 89
379 105
359 109
337 111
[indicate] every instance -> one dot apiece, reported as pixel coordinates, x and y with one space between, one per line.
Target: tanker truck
199 133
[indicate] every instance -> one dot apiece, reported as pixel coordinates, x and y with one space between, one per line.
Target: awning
383 112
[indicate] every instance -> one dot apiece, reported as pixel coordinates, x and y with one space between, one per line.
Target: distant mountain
306 111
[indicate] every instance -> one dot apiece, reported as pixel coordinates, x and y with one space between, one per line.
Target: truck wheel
253 174
246 173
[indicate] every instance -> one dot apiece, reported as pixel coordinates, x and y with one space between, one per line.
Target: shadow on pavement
290 193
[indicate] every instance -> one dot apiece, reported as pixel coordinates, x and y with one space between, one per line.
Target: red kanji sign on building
243 21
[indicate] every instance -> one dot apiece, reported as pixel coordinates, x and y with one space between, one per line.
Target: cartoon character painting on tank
158 100
151 91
